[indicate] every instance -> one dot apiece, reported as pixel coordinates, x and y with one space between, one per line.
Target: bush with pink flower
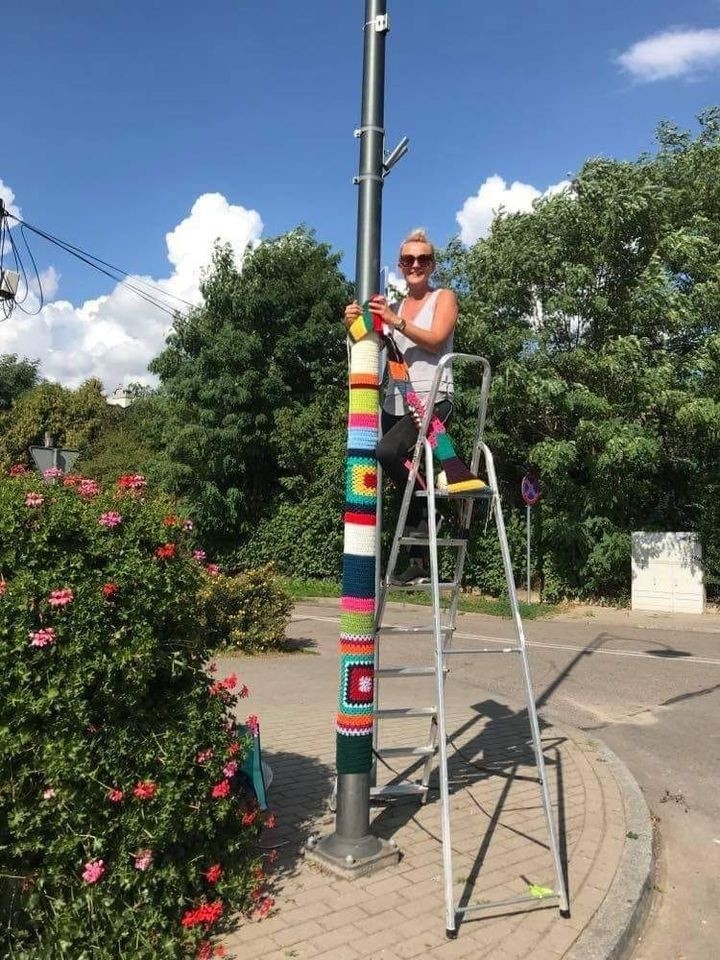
126 826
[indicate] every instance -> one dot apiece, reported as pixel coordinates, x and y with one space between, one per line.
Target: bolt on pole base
350 859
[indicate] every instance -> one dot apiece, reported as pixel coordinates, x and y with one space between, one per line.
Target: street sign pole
530 491
528 508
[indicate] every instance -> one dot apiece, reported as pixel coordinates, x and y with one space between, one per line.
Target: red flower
230 682
271 820
145 790
204 915
132 481
221 789
244 691
115 795
109 589
213 873
3 587
253 724
170 520
17 470
249 818
233 748
166 551
272 856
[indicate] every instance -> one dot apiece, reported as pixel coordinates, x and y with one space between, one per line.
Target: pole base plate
351 858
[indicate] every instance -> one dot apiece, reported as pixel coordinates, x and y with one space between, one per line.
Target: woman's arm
444 321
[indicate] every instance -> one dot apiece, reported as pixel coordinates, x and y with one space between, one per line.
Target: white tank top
421 363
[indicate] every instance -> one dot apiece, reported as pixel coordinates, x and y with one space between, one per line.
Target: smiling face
417 262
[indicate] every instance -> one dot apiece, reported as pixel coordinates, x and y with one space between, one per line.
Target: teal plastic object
253 768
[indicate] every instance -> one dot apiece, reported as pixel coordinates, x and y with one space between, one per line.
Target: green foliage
266 345
74 419
247 612
16 376
130 441
109 818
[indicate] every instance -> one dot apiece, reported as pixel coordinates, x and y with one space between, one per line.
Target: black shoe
412 576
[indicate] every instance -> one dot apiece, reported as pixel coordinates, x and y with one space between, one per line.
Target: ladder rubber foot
565 914
451 934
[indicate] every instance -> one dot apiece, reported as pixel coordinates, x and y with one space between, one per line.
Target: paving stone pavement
499 836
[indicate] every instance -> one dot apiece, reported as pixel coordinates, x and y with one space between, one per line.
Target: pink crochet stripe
369 420
358 605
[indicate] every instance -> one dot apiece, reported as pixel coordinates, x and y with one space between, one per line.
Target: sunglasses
424 260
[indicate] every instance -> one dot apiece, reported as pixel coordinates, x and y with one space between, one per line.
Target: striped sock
460 479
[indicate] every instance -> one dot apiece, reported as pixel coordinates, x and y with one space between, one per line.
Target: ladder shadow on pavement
500 749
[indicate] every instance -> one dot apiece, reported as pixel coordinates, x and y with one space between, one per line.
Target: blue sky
120 116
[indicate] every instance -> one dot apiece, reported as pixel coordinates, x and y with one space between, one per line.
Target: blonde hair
418 236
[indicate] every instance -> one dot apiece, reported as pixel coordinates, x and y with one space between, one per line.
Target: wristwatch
401 326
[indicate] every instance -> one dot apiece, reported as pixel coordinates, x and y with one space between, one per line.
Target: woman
422 325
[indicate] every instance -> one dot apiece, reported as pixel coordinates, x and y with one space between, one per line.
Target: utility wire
151 293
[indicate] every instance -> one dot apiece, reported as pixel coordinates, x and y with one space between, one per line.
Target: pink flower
143 859
212 569
52 473
61 598
17 470
230 768
88 488
34 499
187 526
271 820
264 909
145 790
43 637
253 724
199 555
3 587
109 589
94 869
220 790
230 682
110 519
248 818
115 795
48 793
205 755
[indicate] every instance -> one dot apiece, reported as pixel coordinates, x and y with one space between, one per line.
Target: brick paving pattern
499 836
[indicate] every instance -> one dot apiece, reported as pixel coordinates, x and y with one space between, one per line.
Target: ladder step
399 790
410 630
390 712
425 541
455 652
389 672
406 752
485 494
422 586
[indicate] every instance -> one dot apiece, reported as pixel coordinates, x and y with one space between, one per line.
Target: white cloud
8 196
674 53
114 337
494 195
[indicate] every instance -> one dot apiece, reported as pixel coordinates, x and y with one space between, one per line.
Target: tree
266 344
16 376
601 312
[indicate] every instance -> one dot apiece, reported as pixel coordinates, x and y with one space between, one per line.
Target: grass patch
469 603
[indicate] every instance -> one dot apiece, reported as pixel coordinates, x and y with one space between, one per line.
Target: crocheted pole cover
357 606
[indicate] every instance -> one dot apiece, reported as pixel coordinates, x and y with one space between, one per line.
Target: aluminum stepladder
442 633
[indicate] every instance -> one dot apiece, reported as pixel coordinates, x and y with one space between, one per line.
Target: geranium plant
126 826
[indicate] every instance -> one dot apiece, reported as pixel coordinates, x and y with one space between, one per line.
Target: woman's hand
379 307
352 312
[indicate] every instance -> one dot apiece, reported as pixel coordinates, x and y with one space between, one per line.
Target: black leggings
397 445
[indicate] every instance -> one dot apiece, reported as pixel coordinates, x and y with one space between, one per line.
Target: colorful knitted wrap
357 606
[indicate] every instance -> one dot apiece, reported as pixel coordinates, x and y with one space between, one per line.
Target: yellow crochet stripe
363 401
358 329
466 485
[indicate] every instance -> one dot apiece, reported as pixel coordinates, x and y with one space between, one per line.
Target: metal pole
527 518
352 849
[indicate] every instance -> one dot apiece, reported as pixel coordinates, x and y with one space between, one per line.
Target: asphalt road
654 697
652 693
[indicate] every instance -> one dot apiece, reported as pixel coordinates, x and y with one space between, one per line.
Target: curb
613 932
